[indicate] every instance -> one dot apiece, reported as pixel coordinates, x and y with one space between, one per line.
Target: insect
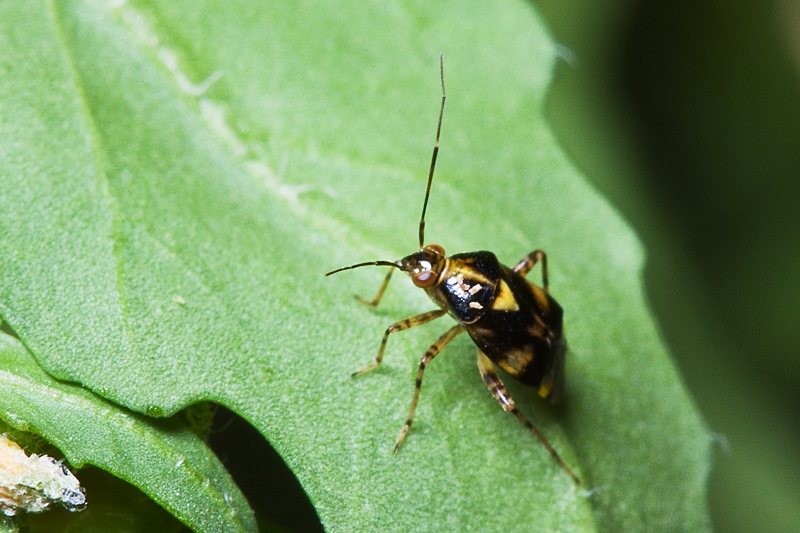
515 324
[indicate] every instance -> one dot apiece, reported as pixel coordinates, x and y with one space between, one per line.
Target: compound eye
435 248
424 279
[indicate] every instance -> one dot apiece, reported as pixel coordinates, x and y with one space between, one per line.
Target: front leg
375 301
529 261
498 390
410 322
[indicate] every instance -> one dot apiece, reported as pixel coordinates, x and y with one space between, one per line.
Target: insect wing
521 331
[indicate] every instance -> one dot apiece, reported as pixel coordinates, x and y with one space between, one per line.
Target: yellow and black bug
516 324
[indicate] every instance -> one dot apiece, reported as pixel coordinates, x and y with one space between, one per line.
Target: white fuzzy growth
32 483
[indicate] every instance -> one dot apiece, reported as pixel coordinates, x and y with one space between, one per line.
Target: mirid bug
515 324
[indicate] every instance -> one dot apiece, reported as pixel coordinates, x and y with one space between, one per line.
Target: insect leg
498 390
375 301
410 322
432 352
529 261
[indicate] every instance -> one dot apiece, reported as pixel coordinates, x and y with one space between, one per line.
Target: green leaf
163 458
178 176
7 525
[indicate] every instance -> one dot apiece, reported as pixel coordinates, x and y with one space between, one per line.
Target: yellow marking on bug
516 360
547 386
475 305
538 328
541 297
504 301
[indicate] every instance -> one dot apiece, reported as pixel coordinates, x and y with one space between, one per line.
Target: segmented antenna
433 159
368 263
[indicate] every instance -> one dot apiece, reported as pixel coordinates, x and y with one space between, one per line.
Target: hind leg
498 390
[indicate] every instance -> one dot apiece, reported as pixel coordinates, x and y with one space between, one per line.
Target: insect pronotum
515 324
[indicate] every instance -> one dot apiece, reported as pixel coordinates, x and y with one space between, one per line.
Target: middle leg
432 352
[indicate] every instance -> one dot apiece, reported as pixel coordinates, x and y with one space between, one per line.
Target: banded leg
432 352
529 261
409 322
498 390
375 301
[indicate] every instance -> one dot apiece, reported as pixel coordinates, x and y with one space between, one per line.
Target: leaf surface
180 175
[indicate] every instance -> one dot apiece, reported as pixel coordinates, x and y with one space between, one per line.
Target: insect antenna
368 263
433 158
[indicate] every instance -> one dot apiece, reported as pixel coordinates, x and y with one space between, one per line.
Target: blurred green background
686 115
